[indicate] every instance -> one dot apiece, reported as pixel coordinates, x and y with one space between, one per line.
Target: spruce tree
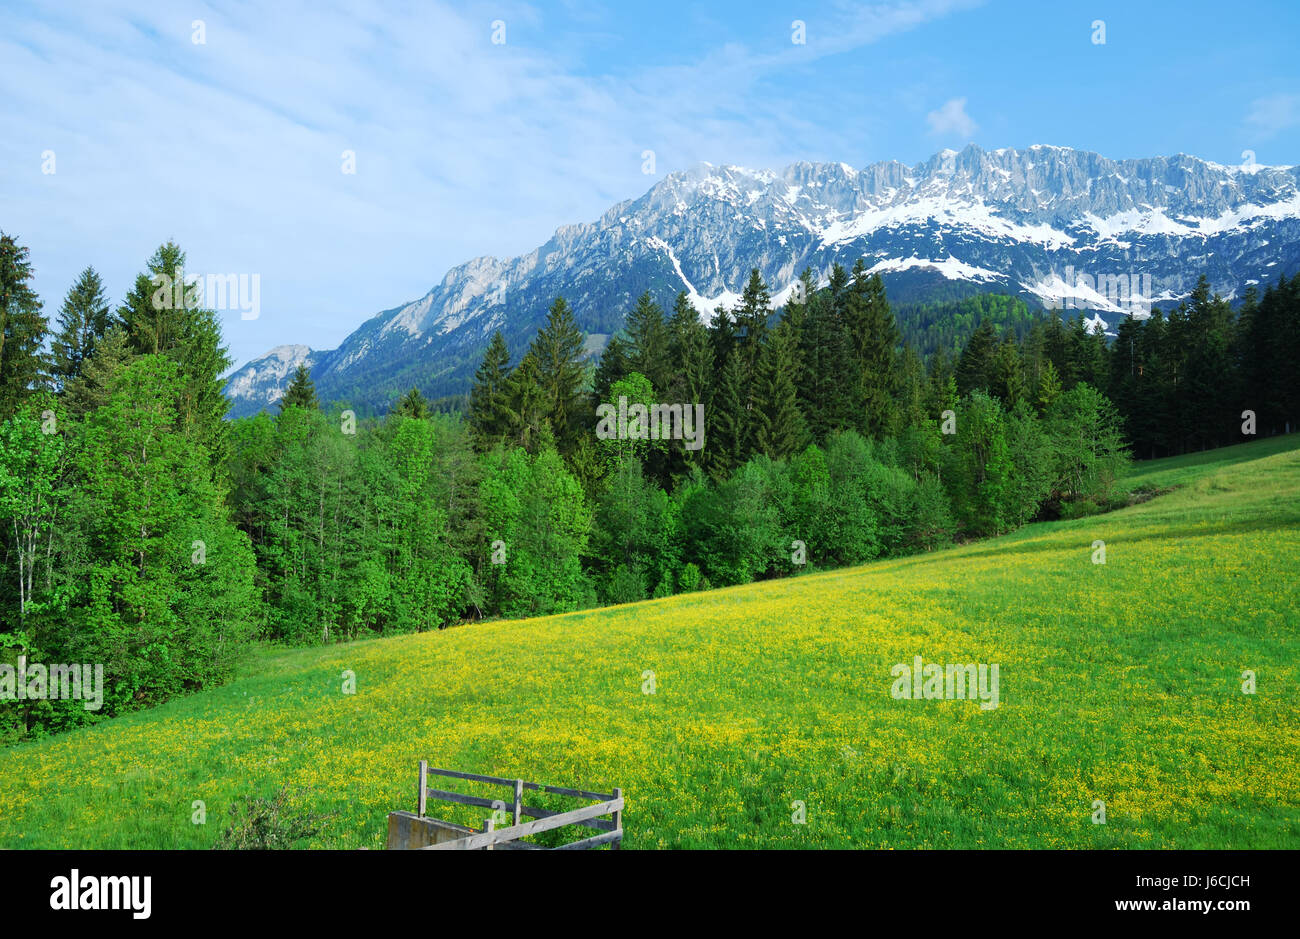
615 364
164 315
558 355
90 388
779 428
83 320
874 336
751 321
526 408
827 389
729 420
301 392
22 328
647 342
412 404
1008 379
487 399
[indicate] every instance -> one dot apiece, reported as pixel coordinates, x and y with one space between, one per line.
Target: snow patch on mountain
950 268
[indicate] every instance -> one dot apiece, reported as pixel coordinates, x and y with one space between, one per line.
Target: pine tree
558 354
164 315
874 337
1088 353
90 389
693 379
22 328
487 399
692 351
729 420
526 409
1008 380
779 425
975 368
83 321
647 342
751 322
1049 387
615 364
301 392
828 383
412 404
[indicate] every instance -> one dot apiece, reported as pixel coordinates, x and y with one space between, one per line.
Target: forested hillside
145 532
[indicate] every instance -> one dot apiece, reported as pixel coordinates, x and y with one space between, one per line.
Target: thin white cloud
951 120
1273 114
234 147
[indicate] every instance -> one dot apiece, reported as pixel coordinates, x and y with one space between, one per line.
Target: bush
267 824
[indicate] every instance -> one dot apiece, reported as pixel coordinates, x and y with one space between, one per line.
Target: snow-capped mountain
1059 226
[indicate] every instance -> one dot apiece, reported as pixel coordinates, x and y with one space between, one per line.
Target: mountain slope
1119 682
1025 222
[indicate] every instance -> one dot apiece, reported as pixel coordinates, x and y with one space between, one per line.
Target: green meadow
771 723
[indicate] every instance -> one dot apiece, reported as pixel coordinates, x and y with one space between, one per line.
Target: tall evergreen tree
829 374
615 363
301 392
874 336
729 420
526 407
647 342
412 404
558 354
23 328
164 315
779 425
487 399
975 367
83 320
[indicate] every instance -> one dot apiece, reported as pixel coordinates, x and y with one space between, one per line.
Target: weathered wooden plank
576 793
424 785
519 799
618 821
460 799
530 828
615 836
530 811
502 781
456 774
602 824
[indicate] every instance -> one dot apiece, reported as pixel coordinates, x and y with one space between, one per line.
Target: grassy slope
1118 682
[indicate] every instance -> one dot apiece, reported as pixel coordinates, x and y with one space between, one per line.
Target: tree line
145 531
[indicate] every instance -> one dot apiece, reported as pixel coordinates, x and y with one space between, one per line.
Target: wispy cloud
951 120
234 146
1273 114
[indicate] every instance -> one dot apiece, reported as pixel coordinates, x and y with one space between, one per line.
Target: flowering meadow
761 716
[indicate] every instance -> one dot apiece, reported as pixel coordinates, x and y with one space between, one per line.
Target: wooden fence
425 833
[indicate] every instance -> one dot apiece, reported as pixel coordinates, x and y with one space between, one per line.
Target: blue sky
464 147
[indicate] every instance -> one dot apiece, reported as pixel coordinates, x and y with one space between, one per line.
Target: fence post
424 787
519 800
618 823
488 826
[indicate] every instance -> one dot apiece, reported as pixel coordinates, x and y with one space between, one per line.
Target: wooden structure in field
421 832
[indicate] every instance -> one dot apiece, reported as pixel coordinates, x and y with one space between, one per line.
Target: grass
1120 682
